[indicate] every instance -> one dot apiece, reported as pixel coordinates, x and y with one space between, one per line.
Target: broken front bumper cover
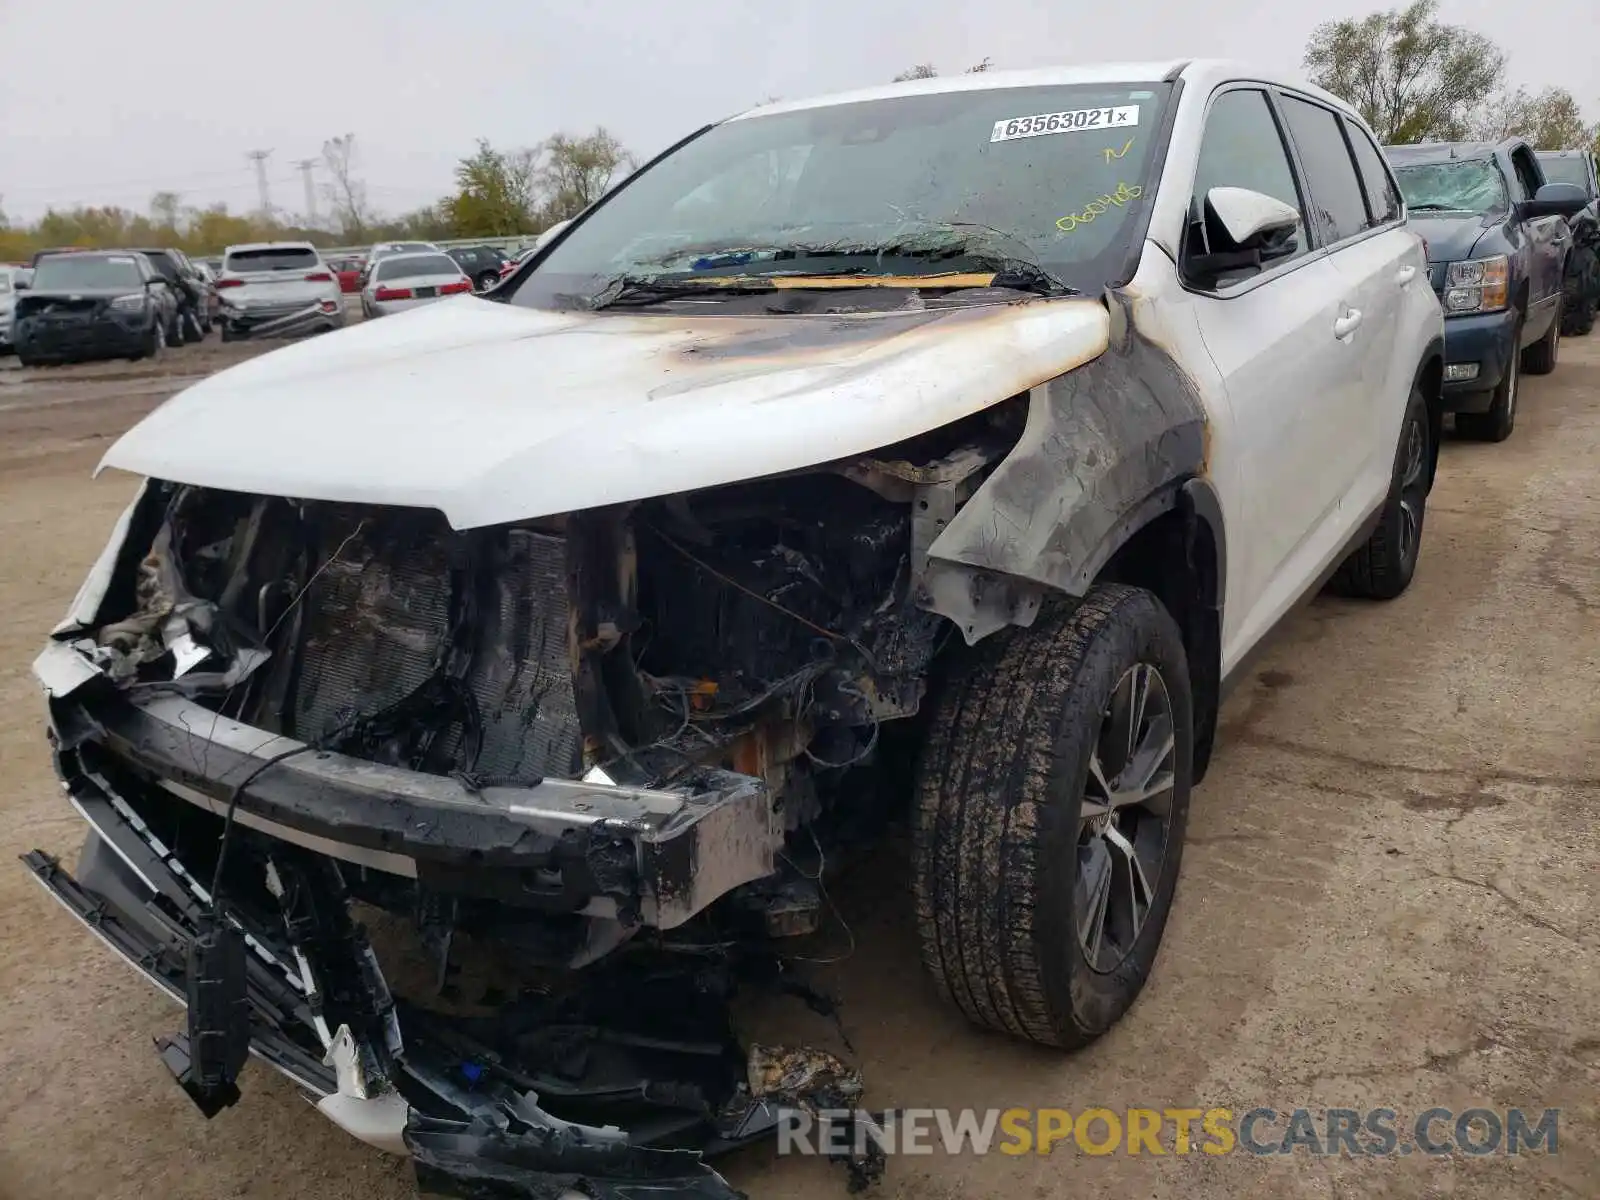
498 1143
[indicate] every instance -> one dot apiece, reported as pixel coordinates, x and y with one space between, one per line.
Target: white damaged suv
941 449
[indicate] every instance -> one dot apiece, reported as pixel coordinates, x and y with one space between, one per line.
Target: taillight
388 293
226 283
319 277
454 289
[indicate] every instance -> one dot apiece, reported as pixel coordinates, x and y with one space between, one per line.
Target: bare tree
920 71
347 193
574 172
1410 77
165 209
1551 120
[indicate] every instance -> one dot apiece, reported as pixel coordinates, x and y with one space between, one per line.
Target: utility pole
305 165
259 157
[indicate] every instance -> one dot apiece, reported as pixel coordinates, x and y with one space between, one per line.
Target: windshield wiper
634 291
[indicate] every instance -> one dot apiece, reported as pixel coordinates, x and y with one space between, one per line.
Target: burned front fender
1107 447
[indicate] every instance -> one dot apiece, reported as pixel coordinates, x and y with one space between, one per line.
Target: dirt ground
1387 897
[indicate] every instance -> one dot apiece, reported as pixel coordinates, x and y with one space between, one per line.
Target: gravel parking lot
1388 895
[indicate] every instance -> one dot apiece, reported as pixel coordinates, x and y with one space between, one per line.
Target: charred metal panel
522 670
1105 448
375 619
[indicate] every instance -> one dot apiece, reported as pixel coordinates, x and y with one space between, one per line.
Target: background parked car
387 249
207 278
9 277
481 263
348 272
95 304
1577 167
277 289
190 321
404 281
1497 248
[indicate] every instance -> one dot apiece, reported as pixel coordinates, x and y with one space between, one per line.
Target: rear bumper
284 320
1485 341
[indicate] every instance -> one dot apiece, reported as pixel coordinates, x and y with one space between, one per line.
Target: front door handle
1405 275
1347 324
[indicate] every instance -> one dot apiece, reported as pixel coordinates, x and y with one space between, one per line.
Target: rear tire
1382 567
487 280
1013 829
1583 292
1540 358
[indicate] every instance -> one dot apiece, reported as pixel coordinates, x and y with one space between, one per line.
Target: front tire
1045 855
1382 567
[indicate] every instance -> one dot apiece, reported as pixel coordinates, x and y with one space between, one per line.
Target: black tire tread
982 794
1373 571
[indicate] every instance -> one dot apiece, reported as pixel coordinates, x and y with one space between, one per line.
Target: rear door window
1338 207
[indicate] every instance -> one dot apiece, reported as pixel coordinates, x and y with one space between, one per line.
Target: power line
259 157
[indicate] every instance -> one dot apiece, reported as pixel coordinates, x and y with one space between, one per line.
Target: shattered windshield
63 272
1468 186
957 183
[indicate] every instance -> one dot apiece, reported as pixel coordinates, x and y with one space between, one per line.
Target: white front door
1280 339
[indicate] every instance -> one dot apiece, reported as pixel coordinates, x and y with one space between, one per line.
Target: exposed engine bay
497 819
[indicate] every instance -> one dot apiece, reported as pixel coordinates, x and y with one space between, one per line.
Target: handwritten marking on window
1100 204
1111 153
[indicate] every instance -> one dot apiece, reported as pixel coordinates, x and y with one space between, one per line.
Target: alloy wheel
1125 818
1413 488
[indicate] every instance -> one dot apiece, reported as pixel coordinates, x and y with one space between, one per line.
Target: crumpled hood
1452 239
493 413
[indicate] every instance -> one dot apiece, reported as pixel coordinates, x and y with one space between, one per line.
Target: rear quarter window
1382 196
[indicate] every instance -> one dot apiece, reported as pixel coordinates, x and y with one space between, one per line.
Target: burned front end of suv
499 809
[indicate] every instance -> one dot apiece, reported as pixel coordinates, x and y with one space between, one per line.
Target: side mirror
20 285
1556 200
1259 228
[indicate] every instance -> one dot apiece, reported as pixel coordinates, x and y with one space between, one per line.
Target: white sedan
406 280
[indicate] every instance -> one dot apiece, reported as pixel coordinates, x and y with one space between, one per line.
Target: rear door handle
1347 324
1405 275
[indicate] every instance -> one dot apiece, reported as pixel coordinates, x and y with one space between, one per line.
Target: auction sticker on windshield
1076 121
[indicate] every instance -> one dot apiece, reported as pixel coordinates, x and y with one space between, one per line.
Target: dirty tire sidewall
1000 789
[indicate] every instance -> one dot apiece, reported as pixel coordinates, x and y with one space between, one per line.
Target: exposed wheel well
1175 556
1430 379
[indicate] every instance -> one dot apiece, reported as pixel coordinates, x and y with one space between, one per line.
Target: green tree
573 172
495 193
1409 76
1551 120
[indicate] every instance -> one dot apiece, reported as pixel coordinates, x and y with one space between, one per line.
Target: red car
349 272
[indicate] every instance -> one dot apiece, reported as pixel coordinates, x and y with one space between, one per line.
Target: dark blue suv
1498 241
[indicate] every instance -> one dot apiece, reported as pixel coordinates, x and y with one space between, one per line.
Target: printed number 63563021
1075 121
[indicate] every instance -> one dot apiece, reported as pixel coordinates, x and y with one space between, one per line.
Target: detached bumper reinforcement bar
607 851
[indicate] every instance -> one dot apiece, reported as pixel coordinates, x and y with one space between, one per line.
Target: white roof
1200 71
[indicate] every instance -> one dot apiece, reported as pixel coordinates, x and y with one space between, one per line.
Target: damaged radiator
376 627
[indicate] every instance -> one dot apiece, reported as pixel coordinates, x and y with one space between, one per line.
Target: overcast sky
106 103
